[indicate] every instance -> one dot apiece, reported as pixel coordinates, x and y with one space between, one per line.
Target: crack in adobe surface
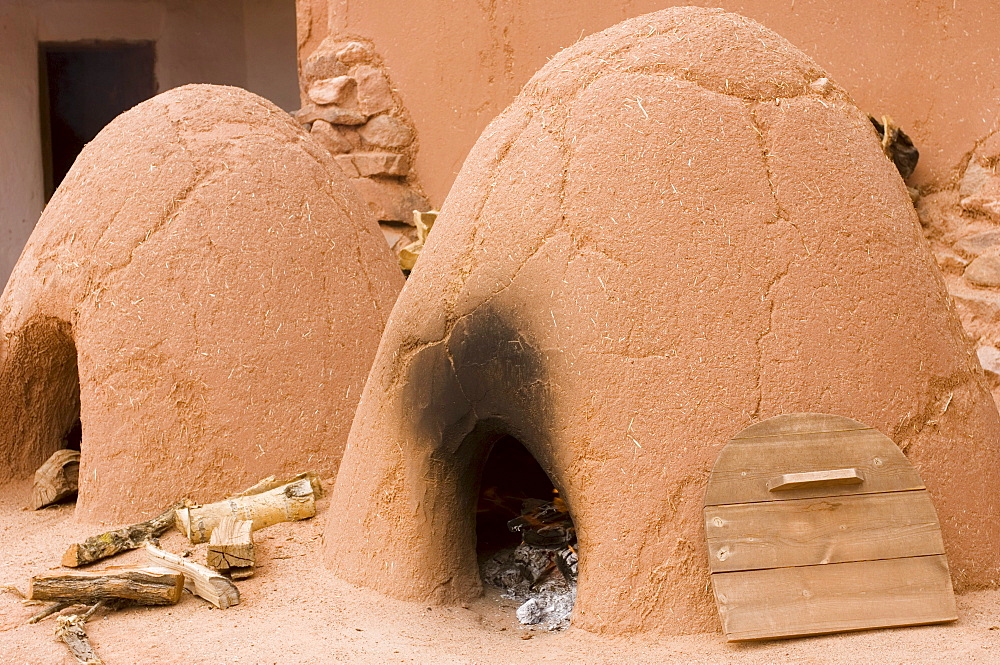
611 60
768 298
496 163
538 96
174 207
566 149
760 129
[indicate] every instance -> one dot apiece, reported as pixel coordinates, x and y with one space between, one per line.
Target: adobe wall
247 43
931 66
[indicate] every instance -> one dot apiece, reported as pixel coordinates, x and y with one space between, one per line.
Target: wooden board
787 602
745 466
799 423
815 524
806 532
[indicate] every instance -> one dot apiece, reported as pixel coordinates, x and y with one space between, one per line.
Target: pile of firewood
226 526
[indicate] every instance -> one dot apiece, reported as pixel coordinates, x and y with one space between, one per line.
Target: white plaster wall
246 43
20 140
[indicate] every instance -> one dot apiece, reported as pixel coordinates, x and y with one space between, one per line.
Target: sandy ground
292 611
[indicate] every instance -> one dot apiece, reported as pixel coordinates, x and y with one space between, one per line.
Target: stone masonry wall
351 108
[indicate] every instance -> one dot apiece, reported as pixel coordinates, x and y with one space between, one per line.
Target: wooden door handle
794 481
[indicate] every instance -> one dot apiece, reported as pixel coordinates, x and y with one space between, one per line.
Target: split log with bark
198 579
230 547
70 629
130 537
272 482
288 503
143 586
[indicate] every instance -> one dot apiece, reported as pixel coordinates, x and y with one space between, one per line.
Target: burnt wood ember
538 578
544 523
566 561
541 571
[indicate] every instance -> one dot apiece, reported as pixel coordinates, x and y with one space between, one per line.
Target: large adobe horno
678 228
219 290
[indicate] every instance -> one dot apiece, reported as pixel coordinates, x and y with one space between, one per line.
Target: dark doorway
525 537
84 86
510 476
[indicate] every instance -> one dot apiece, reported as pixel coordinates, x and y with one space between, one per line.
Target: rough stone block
973 179
397 235
979 243
381 164
354 53
984 271
390 201
385 131
989 358
330 137
322 63
374 92
346 164
951 262
335 115
985 203
339 90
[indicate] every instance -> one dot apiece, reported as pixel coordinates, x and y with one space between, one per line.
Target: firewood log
231 545
110 543
198 579
144 586
271 482
70 629
57 479
288 503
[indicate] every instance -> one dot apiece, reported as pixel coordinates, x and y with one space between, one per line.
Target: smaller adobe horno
818 524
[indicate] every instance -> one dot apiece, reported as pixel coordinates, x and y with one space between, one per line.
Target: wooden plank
799 423
745 466
807 532
788 602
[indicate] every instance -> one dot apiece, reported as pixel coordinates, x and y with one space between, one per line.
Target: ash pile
540 573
